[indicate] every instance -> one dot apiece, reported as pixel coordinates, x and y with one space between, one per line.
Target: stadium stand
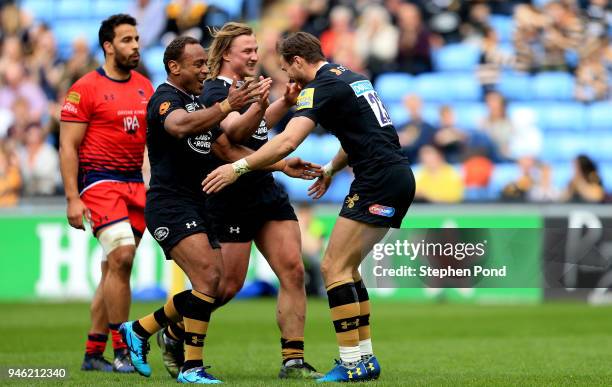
568 127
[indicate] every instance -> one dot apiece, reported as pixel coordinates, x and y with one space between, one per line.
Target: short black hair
175 49
107 28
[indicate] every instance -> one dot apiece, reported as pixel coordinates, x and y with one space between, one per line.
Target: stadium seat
153 57
232 7
598 145
399 114
318 149
69 30
503 25
393 87
433 87
469 115
104 8
456 57
465 87
72 9
599 116
564 146
515 86
40 9
327 146
605 171
561 174
158 77
502 175
553 86
562 116
340 187
449 87
297 189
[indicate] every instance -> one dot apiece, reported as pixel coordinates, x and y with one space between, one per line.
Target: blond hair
222 41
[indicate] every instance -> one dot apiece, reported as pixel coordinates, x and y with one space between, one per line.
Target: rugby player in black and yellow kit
346 104
256 208
183 139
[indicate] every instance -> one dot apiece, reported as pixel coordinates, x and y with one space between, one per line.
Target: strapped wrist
241 167
328 169
225 106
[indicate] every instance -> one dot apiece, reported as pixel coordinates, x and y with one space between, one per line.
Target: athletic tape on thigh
113 236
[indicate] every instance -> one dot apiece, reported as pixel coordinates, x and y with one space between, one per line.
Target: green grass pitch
417 344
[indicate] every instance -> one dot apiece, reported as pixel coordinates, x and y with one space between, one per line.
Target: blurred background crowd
492 100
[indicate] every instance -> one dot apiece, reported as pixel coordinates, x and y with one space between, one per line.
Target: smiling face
242 57
295 70
125 48
193 68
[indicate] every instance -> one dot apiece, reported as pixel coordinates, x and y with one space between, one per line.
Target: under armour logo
197 340
371 366
346 324
191 224
234 230
352 373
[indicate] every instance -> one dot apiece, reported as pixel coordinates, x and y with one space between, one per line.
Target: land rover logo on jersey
191 107
201 143
161 233
262 131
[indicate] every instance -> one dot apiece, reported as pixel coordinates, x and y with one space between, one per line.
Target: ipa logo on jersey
161 233
306 99
200 143
130 124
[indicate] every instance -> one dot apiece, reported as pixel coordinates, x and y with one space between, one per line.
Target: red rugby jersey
113 146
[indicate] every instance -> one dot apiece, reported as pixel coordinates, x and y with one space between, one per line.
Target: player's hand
219 178
319 187
292 91
266 86
75 212
249 92
298 168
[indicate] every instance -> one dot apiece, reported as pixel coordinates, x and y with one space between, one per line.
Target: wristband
225 106
241 167
328 169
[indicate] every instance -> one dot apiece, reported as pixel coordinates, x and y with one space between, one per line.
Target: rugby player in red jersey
102 146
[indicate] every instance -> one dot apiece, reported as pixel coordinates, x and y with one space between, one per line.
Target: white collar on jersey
179 89
319 68
225 79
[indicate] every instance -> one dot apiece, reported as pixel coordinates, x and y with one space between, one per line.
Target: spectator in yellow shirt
10 180
437 181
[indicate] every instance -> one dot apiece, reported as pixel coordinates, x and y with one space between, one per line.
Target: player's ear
225 55
108 47
175 67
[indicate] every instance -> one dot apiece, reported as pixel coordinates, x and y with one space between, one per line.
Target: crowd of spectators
368 36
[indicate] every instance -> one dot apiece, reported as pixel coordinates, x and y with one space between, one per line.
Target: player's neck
229 74
113 72
314 68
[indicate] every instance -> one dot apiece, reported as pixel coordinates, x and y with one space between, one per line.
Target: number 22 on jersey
364 88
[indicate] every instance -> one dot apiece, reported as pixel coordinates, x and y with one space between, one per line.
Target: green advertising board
43 258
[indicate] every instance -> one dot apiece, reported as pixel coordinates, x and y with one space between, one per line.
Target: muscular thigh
280 242
235 261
